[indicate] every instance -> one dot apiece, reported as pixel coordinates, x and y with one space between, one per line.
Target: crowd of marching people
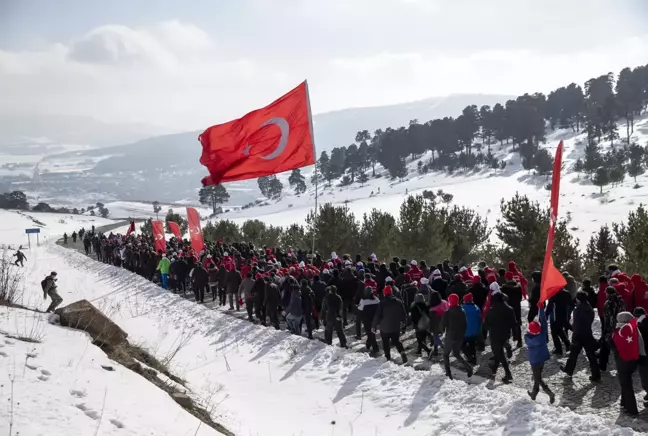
452 308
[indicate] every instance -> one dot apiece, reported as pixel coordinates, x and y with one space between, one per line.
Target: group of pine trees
427 227
465 141
18 200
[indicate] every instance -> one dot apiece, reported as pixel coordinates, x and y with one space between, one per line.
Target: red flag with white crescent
131 228
552 280
175 229
195 232
270 140
158 236
626 341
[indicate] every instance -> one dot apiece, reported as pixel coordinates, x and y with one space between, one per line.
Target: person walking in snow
332 317
628 346
500 322
583 338
163 266
295 309
559 307
50 288
453 324
232 283
200 278
65 237
271 303
473 328
20 258
86 245
74 237
367 308
389 316
612 307
421 322
538 353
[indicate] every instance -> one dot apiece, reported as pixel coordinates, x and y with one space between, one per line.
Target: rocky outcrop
84 316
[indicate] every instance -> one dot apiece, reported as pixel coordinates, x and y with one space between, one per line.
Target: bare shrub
11 289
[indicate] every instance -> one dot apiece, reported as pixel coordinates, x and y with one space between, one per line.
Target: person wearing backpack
49 288
628 346
473 328
421 322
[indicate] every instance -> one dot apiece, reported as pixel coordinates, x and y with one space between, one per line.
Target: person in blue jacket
473 328
536 341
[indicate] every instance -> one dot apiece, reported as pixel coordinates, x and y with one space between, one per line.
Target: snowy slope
480 190
269 383
13 225
57 387
135 209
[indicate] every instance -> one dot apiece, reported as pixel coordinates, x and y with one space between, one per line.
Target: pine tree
270 187
253 231
636 166
378 234
420 232
224 230
593 159
213 195
602 250
467 231
295 236
337 163
363 178
398 169
156 209
297 181
323 168
633 240
335 229
543 162
601 178
352 161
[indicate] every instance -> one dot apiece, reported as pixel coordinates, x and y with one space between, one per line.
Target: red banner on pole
175 229
552 280
131 228
158 236
195 233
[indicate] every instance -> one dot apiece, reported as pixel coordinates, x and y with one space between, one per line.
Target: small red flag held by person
552 280
175 229
195 233
626 341
270 140
158 236
131 228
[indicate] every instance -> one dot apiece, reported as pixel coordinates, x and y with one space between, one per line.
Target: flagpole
310 119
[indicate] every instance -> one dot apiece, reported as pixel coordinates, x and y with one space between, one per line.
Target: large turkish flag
158 236
270 140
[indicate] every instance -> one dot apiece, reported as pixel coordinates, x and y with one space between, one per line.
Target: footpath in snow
266 382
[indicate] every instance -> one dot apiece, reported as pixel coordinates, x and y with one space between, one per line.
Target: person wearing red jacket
600 296
639 292
246 269
415 272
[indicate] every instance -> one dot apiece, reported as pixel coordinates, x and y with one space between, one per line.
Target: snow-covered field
257 380
57 387
14 223
134 209
481 190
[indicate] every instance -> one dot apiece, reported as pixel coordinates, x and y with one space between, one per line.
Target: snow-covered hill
481 190
166 168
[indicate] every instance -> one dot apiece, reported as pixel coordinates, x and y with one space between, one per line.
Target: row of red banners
195 232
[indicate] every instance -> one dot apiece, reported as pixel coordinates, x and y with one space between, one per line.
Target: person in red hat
473 328
453 324
513 291
538 353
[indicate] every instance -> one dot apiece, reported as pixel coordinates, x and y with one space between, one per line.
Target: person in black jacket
367 307
271 303
437 283
583 338
453 324
213 281
222 278
258 294
534 296
181 271
500 321
308 302
419 313
347 290
232 283
389 316
332 317
200 282
319 289
558 310
591 293
513 292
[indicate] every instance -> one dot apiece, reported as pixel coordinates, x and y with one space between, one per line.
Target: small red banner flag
158 236
552 280
270 140
195 233
175 229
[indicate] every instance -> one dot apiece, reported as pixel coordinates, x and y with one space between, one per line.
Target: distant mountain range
166 168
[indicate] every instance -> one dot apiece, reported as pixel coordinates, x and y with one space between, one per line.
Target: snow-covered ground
480 190
58 386
257 380
134 209
13 225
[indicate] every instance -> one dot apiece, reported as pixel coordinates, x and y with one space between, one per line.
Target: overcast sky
192 63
